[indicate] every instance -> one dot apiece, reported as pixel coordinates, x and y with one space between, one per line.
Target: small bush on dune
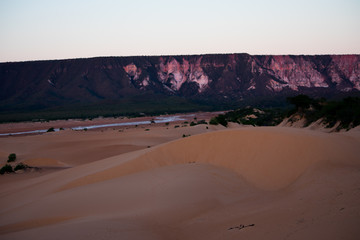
6 169
21 166
220 119
11 157
197 123
346 112
202 122
192 124
214 121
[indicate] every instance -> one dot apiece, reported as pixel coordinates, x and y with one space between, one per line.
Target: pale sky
59 29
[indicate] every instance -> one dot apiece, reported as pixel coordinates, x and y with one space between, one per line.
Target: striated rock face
345 72
339 71
293 73
217 77
174 74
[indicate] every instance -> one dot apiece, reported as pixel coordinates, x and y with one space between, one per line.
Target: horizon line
174 55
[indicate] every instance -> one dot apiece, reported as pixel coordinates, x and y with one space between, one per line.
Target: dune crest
268 158
44 162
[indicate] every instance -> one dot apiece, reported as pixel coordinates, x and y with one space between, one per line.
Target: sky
61 29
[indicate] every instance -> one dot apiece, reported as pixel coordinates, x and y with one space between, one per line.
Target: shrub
51 129
214 121
301 101
221 119
192 124
6 169
202 122
11 157
346 111
21 166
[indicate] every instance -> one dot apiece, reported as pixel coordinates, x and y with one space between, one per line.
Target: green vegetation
250 116
11 157
9 169
301 102
345 112
202 122
51 129
198 122
6 169
221 119
140 105
21 166
186 135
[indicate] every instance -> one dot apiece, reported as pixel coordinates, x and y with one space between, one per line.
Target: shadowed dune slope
268 158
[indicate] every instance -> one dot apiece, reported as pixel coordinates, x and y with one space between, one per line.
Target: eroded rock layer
219 76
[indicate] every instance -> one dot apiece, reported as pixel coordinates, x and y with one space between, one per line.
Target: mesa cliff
216 77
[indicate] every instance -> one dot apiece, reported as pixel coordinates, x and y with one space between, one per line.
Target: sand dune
282 183
75 148
269 158
44 162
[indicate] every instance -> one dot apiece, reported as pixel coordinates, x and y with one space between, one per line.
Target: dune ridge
269 158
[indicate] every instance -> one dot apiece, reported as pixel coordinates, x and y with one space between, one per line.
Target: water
156 120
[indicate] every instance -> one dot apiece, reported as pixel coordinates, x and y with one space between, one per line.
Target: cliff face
217 77
339 72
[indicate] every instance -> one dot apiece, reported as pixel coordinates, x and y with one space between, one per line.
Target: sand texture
238 183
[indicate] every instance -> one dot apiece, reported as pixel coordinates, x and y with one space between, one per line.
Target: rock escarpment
218 77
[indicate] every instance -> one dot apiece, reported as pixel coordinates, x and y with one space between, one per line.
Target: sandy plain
217 183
